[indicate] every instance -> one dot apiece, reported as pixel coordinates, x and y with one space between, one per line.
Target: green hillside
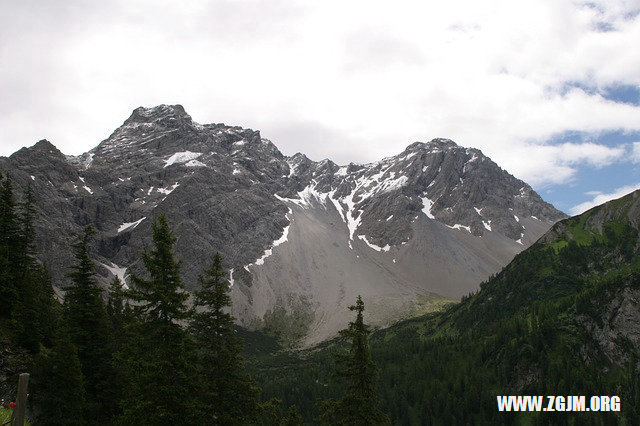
561 319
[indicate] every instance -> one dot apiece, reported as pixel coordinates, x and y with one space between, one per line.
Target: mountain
563 318
301 238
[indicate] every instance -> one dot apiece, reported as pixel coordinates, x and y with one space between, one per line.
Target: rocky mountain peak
295 233
43 148
161 113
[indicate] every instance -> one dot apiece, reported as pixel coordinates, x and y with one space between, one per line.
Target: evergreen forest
146 353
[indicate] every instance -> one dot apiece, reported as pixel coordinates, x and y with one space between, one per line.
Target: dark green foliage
161 297
56 383
118 311
9 241
32 316
160 372
27 234
91 333
293 417
226 392
359 404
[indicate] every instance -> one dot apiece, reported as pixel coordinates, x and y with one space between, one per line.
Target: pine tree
159 373
116 305
227 392
26 231
293 417
56 384
9 239
359 405
32 313
161 297
90 332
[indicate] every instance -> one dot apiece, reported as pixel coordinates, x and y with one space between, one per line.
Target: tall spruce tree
226 391
32 315
159 378
9 240
57 384
359 404
91 333
26 231
120 313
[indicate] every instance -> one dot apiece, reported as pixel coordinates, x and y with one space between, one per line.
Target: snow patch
393 184
342 171
478 211
33 177
292 168
195 163
130 225
352 223
519 241
427 205
88 161
181 157
373 246
231 278
411 155
306 197
458 226
285 234
487 225
516 218
389 218
86 188
118 272
168 191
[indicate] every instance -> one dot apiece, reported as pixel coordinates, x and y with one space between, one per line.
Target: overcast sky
549 89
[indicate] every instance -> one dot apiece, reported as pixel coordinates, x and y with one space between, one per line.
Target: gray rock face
297 234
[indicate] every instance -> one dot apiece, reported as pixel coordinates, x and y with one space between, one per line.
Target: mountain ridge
436 218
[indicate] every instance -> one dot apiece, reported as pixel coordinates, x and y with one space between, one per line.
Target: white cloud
558 163
603 198
635 152
371 76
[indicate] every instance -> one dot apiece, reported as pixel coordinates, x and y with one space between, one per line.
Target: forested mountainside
563 318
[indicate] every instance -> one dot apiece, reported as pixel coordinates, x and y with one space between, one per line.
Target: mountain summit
301 238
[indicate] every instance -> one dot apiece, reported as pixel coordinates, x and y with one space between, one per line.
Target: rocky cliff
301 238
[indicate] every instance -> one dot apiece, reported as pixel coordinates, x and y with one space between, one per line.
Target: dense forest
146 354
141 354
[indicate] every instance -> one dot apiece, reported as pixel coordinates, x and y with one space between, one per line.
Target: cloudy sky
549 89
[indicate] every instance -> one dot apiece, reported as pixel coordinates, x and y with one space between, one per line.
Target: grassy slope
5 416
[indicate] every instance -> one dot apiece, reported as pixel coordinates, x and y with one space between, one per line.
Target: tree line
141 354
